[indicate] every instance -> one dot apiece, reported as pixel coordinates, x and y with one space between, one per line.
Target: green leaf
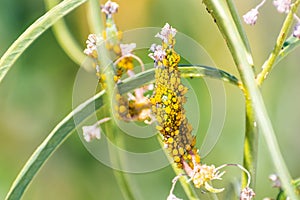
65 38
68 125
289 46
62 131
187 71
33 32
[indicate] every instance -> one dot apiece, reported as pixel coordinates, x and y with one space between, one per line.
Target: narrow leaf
33 32
289 46
68 125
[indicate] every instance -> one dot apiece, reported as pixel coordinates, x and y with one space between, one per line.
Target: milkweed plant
127 91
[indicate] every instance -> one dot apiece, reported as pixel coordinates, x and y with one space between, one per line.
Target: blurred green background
36 94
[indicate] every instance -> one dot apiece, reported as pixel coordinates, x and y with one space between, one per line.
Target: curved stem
243 60
33 32
112 130
189 190
250 145
65 38
268 65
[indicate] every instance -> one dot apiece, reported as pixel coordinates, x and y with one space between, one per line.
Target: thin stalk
188 189
269 63
65 38
238 22
250 146
112 130
241 58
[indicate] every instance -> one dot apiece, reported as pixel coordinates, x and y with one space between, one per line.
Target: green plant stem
251 132
269 63
188 189
250 146
106 68
65 38
67 126
33 32
242 59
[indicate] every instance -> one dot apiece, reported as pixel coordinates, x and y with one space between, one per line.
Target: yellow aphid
170 140
181 151
168 110
122 109
177 159
175 152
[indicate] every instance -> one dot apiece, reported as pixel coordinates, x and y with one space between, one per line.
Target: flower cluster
137 107
282 6
247 194
109 8
91 45
168 99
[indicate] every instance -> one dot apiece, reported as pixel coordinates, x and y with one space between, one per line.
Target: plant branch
112 130
243 61
269 63
65 39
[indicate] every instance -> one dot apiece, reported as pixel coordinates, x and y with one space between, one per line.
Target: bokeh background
36 94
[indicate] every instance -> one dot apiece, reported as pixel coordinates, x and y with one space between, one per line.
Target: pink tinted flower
247 194
296 32
127 48
250 17
158 52
167 33
91 45
91 132
283 6
109 8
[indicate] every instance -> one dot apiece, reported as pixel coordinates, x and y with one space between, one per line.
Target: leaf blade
33 32
67 126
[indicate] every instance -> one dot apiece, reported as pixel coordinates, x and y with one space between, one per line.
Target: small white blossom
91 45
296 32
283 6
167 33
127 48
250 17
247 194
109 8
91 132
158 52
172 197
276 181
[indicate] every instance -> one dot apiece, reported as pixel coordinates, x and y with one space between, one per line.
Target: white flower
109 8
91 132
276 181
127 48
167 33
158 52
172 197
283 6
296 32
91 45
247 194
250 17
